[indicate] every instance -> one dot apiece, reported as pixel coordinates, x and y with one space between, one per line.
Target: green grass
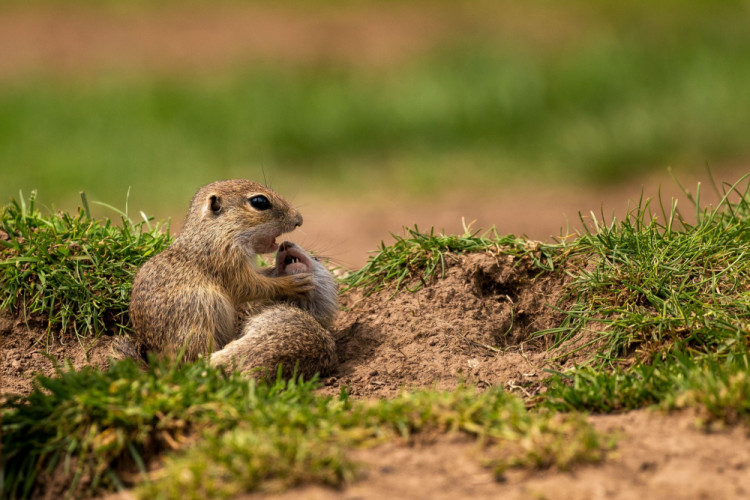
73 270
666 306
248 435
641 89
718 388
228 464
411 261
660 281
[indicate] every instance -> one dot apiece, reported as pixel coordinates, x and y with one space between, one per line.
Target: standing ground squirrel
189 296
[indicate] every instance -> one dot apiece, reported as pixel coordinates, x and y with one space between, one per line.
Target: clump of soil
474 324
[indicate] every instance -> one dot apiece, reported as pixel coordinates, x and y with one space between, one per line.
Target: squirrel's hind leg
280 335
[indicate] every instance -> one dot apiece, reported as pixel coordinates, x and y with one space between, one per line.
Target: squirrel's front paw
300 284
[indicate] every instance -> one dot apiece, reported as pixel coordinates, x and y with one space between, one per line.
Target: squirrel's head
241 212
322 302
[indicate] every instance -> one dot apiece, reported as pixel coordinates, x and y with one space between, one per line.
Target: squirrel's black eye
260 202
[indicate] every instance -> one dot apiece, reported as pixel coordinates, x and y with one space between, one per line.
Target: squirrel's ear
214 205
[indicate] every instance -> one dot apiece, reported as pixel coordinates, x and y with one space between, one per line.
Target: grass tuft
648 283
657 281
718 389
412 260
100 421
75 271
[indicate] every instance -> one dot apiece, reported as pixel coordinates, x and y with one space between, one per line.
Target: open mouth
290 260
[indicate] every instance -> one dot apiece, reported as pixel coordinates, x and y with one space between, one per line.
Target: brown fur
292 334
188 296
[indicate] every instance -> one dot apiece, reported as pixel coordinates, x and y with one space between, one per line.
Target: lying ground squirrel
188 298
293 333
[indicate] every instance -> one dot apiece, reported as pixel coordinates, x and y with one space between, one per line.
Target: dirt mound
25 352
473 324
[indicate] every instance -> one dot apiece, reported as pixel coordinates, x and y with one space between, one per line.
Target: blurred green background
461 96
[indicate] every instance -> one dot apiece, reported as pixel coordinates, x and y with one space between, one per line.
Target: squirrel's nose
298 220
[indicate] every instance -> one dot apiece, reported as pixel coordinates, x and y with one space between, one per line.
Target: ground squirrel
190 296
292 333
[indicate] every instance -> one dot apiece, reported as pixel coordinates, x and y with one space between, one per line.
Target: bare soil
27 350
474 324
